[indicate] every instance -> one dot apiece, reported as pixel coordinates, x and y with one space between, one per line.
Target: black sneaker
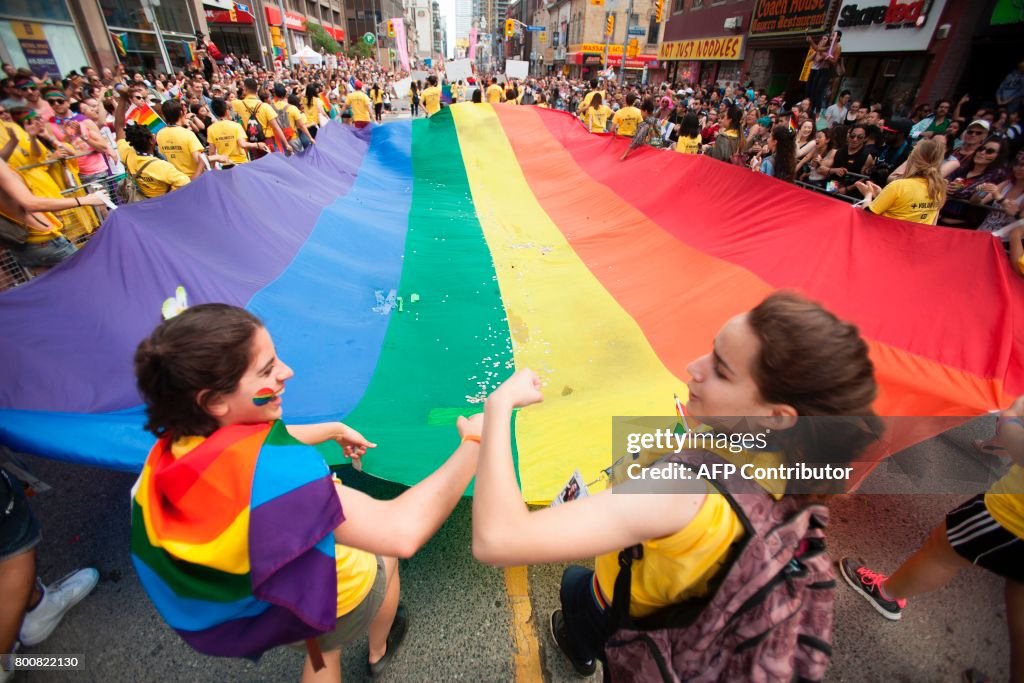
868 584
561 639
395 637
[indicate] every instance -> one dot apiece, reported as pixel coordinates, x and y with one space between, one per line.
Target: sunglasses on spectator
856 137
26 87
989 150
57 101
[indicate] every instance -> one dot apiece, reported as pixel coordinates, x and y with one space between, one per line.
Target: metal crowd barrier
79 223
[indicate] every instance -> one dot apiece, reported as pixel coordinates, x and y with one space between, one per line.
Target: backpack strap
619 611
138 174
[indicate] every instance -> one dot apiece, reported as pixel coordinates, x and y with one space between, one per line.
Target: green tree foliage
321 39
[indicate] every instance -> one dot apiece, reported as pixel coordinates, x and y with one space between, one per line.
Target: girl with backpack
208 540
788 358
414 99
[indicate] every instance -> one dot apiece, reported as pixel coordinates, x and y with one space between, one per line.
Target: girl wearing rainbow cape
240 535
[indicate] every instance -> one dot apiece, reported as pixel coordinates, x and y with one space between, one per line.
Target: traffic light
510 28
609 25
659 10
391 29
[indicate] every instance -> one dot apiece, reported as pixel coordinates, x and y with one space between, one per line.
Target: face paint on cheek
263 397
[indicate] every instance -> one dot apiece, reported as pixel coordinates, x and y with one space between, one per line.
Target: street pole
259 39
148 7
376 30
607 39
625 46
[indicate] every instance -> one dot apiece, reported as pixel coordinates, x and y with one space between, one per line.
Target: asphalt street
461 616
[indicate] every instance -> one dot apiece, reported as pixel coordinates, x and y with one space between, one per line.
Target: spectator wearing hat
30 92
972 139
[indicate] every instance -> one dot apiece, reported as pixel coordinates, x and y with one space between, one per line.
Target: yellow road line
524 635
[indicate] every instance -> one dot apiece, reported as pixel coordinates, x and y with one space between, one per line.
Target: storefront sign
36 48
776 17
295 22
888 25
231 16
702 49
613 49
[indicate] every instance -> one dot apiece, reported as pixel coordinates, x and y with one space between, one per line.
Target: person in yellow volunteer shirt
596 115
628 118
985 531
495 93
689 134
227 138
587 98
44 246
135 146
431 97
296 121
685 528
178 144
377 97
359 103
252 107
918 195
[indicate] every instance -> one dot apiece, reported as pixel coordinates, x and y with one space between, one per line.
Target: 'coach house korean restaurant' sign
888 25
702 49
779 17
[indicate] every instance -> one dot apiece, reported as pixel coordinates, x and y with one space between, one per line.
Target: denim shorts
44 254
19 530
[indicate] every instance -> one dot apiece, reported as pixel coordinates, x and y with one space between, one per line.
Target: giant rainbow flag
405 270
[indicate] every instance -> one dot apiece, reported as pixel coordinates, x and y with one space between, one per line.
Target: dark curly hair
207 347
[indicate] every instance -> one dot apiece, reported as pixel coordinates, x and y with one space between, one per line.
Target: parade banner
401 43
472 44
403 285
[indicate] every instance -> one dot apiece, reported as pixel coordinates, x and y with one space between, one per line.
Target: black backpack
253 129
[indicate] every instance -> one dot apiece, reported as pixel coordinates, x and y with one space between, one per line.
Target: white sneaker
58 598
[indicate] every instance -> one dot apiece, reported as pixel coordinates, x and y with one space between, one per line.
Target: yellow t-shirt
1005 501
676 567
312 112
158 178
627 119
495 93
377 95
431 99
224 136
263 112
687 145
907 199
178 145
589 96
360 105
597 119
294 116
356 570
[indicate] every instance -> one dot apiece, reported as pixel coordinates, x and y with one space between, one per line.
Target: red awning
220 16
336 33
273 15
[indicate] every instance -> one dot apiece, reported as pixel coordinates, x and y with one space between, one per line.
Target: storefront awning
231 16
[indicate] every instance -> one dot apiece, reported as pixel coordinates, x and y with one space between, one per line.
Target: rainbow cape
212 553
405 270
144 115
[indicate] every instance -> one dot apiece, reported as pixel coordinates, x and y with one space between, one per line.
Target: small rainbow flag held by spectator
446 93
145 116
190 51
120 43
